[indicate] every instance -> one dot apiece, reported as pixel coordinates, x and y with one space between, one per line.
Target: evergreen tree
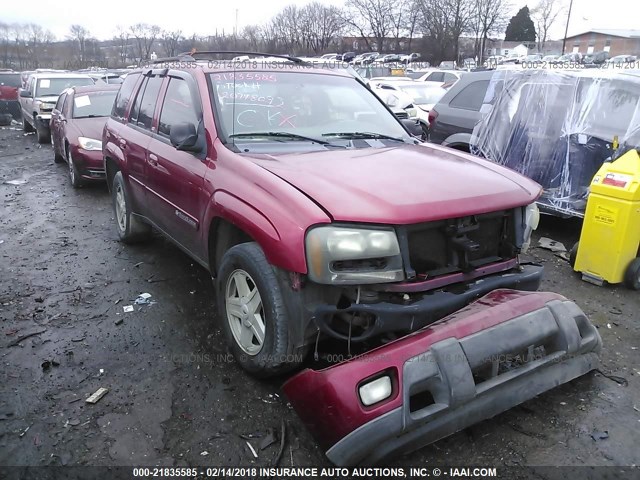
521 27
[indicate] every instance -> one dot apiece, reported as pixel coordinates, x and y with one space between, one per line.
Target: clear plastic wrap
558 127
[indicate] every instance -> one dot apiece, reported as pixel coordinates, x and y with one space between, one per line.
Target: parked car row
322 219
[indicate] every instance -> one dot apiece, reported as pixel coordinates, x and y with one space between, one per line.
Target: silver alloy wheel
72 172
245 312
121 208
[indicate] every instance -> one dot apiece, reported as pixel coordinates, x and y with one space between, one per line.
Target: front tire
131 229
43 133
632 275
74 174
253 314
26 126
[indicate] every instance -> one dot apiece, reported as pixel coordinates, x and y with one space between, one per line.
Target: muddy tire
5 119
57 158
43 133
632 275
74 173
253 314
131 229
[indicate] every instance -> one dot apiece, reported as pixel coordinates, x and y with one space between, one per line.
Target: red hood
89 127
8 93
401 185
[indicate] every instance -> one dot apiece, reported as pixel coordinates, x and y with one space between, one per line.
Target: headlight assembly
531 221
349 255
89 143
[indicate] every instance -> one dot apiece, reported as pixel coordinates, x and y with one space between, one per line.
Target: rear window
471 96
55 86
124 96
94 104
10 80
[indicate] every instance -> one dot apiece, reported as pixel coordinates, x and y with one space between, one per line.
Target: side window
124 96
449 77
177 107
435 77
135 110
149 100
60 102
32 86
471 96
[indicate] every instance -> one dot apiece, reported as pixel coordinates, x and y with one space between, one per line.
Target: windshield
305 104
424 95
94 104
10 80
55 86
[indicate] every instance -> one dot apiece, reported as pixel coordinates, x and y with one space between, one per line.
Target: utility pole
235 32
566 30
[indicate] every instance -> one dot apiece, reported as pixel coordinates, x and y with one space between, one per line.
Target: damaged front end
495 353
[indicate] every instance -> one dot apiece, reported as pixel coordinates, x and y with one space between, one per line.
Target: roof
612 32
58 75
97 88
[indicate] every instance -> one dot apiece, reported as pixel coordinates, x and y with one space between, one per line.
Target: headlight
348 256
89 143
48 106
531 221
375 391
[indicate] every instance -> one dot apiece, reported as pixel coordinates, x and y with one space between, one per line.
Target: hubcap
121 208
245 312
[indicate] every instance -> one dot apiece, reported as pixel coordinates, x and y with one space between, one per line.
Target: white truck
39 98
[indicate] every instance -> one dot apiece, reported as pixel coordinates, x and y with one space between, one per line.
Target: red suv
319 216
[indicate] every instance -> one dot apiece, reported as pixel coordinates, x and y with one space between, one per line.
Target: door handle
123 143
153 160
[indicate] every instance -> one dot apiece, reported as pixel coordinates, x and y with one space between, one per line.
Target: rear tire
632 275
57 158
131 229
253 313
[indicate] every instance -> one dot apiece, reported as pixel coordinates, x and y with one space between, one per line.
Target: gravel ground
176 397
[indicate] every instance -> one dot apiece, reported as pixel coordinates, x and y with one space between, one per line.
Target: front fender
281 249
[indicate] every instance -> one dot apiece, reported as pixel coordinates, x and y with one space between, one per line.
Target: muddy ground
176 398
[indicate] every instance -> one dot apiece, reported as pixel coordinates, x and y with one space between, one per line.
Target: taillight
432 117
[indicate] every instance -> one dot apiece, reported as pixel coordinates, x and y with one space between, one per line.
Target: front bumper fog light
375 391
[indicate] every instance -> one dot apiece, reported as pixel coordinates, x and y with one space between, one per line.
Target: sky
102 18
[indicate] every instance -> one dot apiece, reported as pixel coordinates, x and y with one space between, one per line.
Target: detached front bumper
498 352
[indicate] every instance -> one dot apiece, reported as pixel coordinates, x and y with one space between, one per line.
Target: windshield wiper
293 136
91 116
363 135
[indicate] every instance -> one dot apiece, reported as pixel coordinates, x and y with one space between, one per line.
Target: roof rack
207 54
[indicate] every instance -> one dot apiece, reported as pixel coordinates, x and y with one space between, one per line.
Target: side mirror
413 126
25 94
184 136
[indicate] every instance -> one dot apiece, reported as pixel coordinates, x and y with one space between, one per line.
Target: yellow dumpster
608 246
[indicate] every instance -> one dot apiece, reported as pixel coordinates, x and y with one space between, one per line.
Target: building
614 41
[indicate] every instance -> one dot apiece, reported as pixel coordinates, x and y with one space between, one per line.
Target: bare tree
251 34
489 17
5 41
37 41
171 41
545 15
370 19
144 36
79 35
320 26
121 42
443 22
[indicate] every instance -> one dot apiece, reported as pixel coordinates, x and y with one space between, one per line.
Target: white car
416 98
39 97
438 78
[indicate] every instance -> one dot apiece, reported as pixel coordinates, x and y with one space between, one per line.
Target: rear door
57 123
176 196
136 136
